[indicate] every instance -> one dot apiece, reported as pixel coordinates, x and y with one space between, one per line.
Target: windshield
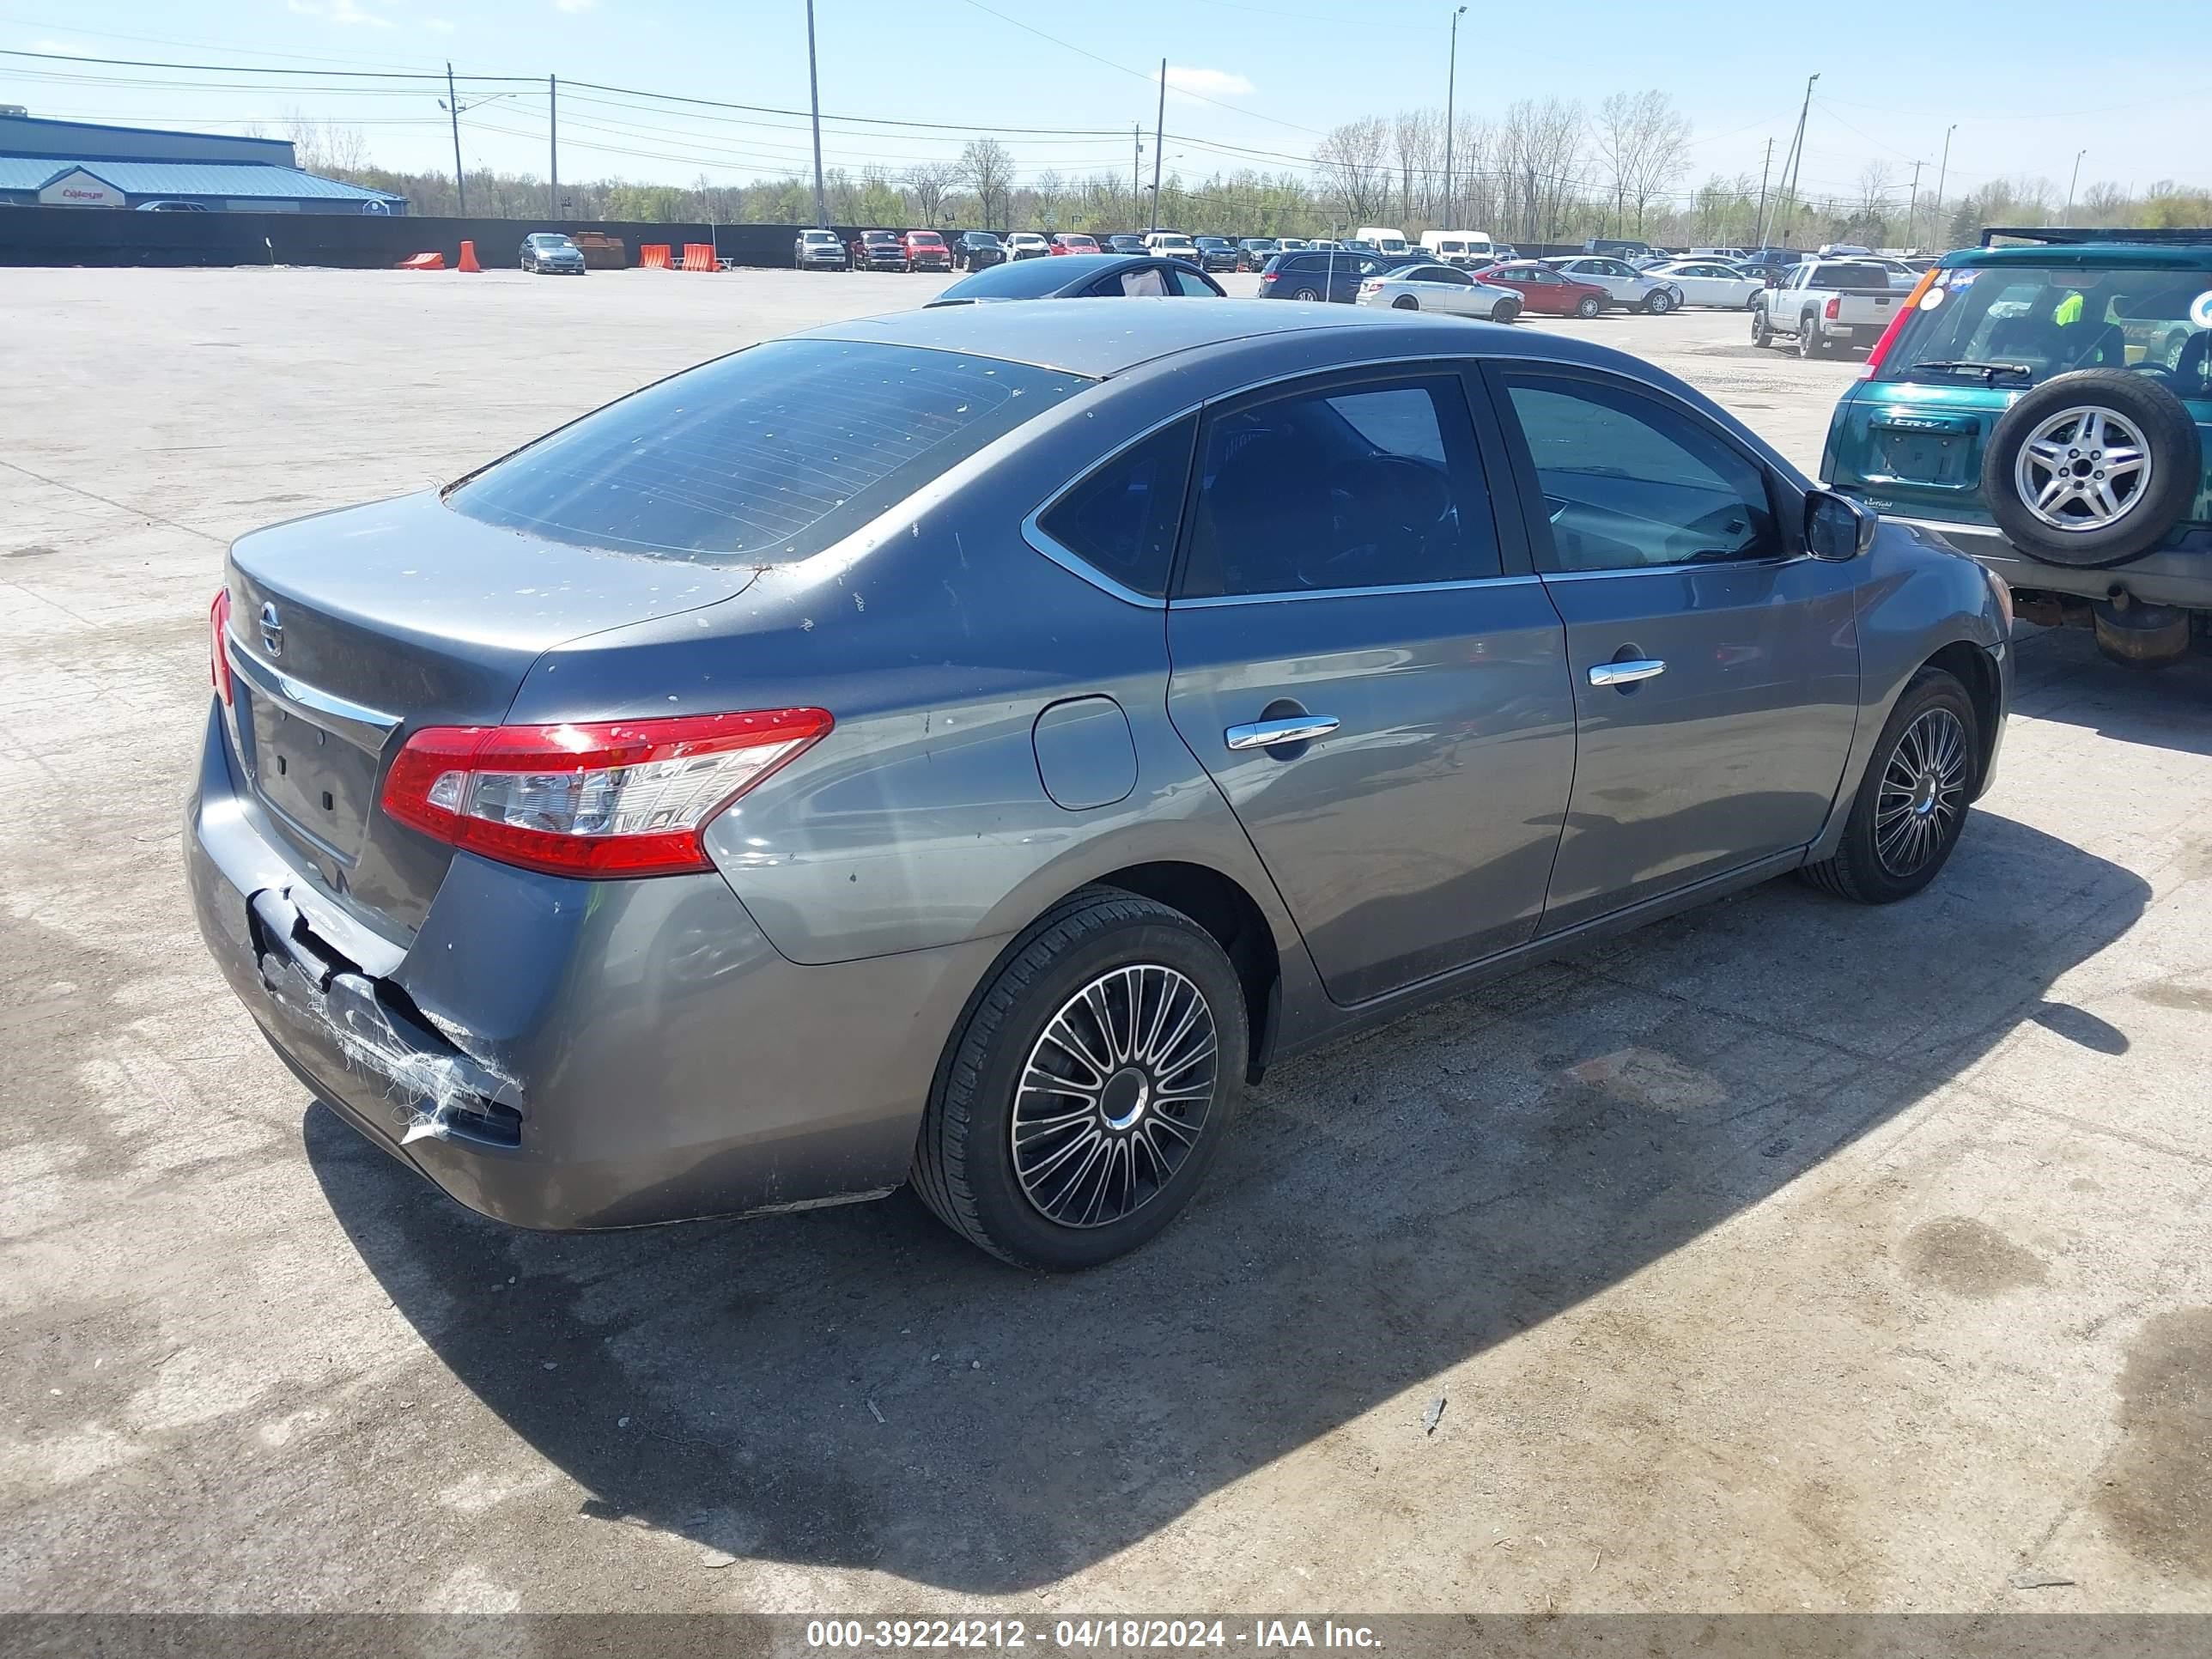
2017 325
925 239
542 241
764 457
820 235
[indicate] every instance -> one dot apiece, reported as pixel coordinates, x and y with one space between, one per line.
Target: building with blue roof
84 165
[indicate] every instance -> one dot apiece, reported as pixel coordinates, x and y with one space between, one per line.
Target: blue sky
1250 77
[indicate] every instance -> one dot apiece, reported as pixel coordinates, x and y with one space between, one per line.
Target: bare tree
1353 161
1538 146
927 181
1411 134
987 167
1642 140
1045 195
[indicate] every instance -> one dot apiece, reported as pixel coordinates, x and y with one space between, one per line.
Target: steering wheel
1387 506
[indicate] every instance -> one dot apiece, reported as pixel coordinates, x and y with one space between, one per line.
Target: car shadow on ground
856 1388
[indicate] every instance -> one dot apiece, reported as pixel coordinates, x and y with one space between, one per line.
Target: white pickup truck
1828 304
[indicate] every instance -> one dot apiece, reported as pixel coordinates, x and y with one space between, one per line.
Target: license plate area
1916 455
320 783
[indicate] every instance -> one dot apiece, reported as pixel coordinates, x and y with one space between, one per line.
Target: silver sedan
1440 288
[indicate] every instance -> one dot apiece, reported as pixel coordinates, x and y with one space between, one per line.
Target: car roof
2124 256
1102 337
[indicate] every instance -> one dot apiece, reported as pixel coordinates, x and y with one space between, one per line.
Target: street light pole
1942 172
553 142
1451 88
2072 182
814 94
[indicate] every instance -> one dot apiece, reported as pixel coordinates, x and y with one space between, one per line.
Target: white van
1459 247
1381 238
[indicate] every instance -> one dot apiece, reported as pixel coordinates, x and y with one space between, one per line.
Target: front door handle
1627 673
1265 734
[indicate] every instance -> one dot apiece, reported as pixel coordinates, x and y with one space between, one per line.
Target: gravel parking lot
1787 1254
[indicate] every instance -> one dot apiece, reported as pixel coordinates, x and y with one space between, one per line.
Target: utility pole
1942 173
1159 142
1759 235
1912 204
1797 160
814 93
2072 183
1451 88
453 109
553 139
1136 171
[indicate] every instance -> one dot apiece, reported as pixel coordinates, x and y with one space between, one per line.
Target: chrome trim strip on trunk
358 723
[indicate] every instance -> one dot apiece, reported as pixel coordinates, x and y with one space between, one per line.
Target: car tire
1405 302
1505 311
1307 293
1659 302
1588 307
1074 964
1762 331
1751 300
1893 846
2171 448
1808 337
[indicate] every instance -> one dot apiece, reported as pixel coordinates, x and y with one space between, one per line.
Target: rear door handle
1265 734
1627 673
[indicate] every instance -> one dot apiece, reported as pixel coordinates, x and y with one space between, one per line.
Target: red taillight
1834 309
219 660
1896 325
628 798
1269 276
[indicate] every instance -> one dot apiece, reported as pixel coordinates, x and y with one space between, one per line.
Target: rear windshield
2013 325
926 238
1851 279
763 457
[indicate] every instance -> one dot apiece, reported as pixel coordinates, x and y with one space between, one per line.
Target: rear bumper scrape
438 1089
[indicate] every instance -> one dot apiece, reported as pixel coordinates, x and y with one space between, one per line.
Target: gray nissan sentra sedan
966 747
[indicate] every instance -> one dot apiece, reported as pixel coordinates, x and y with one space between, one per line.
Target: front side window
1375 485
763 457
1193 286
1121 519
1630 482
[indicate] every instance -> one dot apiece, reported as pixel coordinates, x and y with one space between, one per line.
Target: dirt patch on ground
2156 1494
1969 1258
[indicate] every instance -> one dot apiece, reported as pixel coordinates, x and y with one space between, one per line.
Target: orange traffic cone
469 257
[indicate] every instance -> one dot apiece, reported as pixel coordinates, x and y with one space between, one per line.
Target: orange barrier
424 262
699 256
469 257
652 256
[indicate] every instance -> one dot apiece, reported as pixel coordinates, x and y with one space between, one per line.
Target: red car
1071 241
1543 290
924 250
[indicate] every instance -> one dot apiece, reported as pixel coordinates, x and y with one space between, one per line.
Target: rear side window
1121 519
764 457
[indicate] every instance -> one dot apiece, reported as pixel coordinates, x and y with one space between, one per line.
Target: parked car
926 251
1352 245
1027 244
1173 243
550 252
1432 287
1842 250
1470 248
172 205
1383 239
1012 892
1292 244
1546 291
1731 255
1124 242
977 250
1085 275
1828 304
818 250
1215 253
1071 241
877 250
1323 274
1773 262
2048 410
1255 251
1623 284
1709 282
1618 248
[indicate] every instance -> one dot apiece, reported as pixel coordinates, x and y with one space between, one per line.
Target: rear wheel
1093 1081
1911 804
1405 302
1588 307
1307 293
1808 337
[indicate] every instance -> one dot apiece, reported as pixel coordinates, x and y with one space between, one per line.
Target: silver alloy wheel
2082 469
1114 1095
1924 791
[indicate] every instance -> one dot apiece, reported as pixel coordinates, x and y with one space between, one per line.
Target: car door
1715 663
1444 288
1364 664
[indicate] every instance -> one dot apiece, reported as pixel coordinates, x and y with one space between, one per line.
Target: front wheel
1911 804
1504 311
1762 332
1660 302
1094 1079
1588 307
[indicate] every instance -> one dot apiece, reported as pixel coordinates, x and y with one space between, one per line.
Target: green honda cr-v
2044 408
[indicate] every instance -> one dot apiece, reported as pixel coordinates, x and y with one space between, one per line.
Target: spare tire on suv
2092 468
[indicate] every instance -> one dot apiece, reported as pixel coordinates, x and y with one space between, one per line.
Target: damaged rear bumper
561 1055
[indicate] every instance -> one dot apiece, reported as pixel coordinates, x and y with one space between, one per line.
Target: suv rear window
1850 279
764 457
2014 324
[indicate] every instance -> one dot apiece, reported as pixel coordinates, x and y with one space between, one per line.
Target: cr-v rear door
1362 662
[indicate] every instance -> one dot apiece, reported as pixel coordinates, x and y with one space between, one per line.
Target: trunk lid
351 630
1914 448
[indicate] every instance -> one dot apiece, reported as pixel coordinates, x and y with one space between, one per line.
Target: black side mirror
1837 528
